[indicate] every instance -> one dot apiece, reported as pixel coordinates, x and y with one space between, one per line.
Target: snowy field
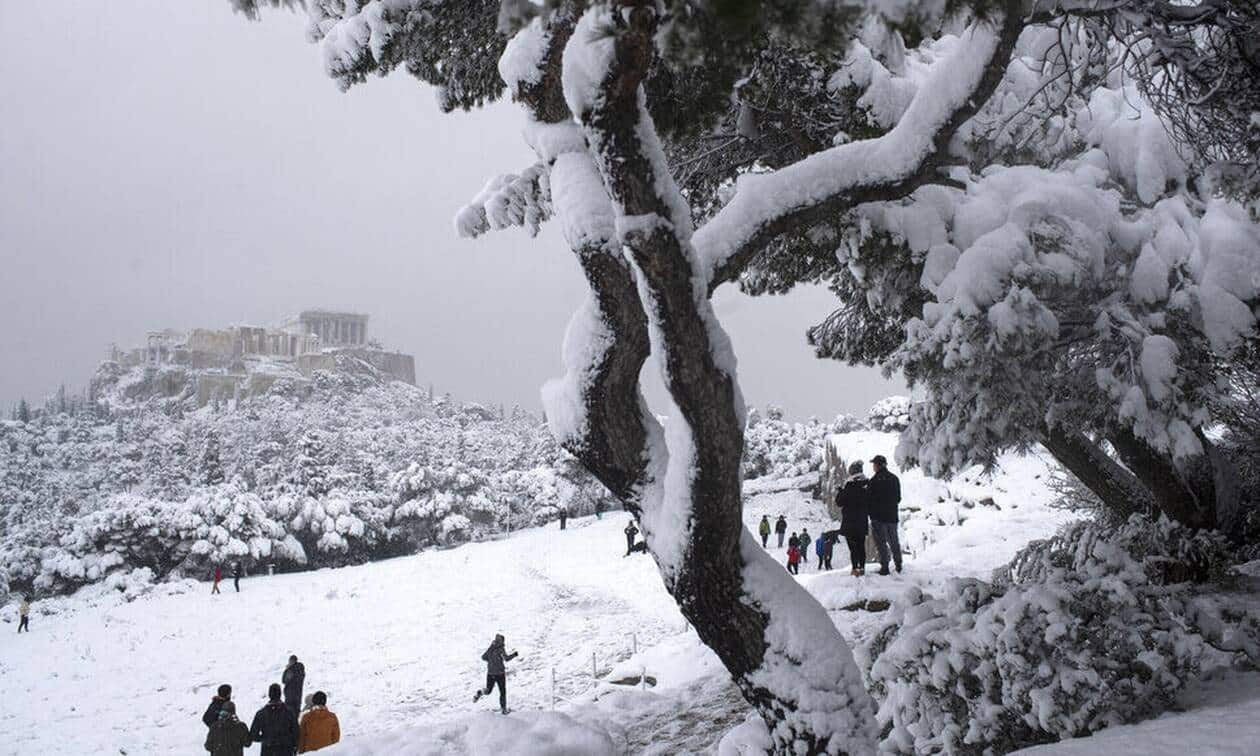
397 644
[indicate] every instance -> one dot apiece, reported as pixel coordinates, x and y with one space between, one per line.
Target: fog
170 164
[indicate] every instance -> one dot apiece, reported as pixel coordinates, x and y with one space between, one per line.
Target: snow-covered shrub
1084 631
778 448
890 414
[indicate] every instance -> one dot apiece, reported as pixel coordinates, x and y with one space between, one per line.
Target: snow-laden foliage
345 468
1093 628
777 448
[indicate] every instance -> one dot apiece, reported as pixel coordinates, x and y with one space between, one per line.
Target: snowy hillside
397 643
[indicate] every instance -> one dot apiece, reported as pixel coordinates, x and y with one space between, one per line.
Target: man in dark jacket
631 531
564 517
780 529
228 736
236 576
829 545
496 673
294 678
275 727
853 501
216 704
885 494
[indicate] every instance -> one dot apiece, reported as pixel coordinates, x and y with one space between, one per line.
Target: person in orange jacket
319 728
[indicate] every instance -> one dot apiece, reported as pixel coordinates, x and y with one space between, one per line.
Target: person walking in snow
802 542
631 531
274 726
764 530
218 575
294 678
885 495
236 576
780 527
794 541
820 548
319 727
794 560
24 615
496 672
564 516
228 736
853 502
223 695
599 510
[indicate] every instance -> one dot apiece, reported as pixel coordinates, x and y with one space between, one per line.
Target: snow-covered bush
779 448
889 414
339 469
1088 630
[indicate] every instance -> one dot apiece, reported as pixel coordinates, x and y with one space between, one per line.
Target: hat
227 709
879 460
855 467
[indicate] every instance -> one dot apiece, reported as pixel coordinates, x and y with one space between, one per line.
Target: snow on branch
508 200
888 167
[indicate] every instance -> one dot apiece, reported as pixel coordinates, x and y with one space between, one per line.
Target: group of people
867 505
276 727
217 574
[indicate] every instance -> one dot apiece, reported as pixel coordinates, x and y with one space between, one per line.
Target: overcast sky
170 164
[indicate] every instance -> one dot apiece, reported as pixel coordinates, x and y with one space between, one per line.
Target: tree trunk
1121 493
1185 492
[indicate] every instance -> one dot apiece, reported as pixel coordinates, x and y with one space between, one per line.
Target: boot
898 568
883 569
477 696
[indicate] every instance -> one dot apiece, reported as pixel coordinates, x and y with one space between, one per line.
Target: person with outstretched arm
496 672
274 727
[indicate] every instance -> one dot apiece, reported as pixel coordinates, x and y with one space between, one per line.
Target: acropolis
246 357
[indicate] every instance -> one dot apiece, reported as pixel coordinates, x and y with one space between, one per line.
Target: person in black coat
780 529
853 501
885 495
275 727
236 576
212 711
829 544
496 671
631 531
294 678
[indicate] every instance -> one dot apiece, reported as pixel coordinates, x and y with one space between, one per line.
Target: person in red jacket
218 575
794 560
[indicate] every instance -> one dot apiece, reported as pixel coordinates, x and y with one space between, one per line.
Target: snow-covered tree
867 145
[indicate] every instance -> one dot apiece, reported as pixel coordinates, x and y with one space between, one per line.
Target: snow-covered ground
397 644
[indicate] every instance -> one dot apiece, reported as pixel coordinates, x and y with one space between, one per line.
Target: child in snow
218 575
496 673
216 705
802 543
228 736
764 530
794 560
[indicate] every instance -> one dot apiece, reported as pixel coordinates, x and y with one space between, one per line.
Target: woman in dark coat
853 502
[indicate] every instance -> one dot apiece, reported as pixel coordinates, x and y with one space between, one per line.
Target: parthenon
332 328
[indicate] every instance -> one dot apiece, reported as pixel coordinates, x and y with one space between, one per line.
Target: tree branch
890 167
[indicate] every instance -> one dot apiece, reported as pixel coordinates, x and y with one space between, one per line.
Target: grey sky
169 164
